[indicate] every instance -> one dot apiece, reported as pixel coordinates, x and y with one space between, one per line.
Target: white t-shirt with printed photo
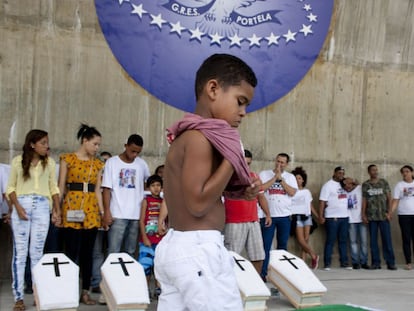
336 199
355 205
280 203
405 193
127 183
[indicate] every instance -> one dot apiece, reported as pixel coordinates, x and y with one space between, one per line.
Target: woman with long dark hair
80 181
31 188
403 198
302 210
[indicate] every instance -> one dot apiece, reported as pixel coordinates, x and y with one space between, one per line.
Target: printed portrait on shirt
127 177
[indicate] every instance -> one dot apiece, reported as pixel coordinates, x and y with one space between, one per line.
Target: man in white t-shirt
123 190
333 212
358 231
279 186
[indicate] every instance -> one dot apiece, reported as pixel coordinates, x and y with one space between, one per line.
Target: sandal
86 299
19 306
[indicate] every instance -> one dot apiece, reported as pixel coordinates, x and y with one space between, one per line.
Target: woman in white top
403 198
302 210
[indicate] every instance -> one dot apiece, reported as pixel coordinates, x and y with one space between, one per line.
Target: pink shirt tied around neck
223 137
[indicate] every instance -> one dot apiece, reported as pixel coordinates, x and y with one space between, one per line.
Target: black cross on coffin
56 264
285 258
238 262
122 263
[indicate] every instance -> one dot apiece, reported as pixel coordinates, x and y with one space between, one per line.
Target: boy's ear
212 87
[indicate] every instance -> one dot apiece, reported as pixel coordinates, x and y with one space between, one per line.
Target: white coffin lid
301 277
56 292
249 281
131 289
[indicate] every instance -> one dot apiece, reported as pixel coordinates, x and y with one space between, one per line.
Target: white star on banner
272 39
196 34
216 38
254 40
138 9
177 28
235 40
306 30
312 18
307 7
290 36
157 20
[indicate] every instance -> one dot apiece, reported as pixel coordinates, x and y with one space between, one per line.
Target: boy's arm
203 184
162 226
107 216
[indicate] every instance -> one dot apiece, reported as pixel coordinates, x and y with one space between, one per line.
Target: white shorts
196 273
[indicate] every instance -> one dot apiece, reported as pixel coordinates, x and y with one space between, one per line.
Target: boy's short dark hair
227 69
152 179
136 140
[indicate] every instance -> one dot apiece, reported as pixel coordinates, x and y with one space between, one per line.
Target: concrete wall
353 108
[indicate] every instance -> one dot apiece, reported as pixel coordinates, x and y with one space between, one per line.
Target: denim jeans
358 237
336 229
407 234
387 250
282 227
98 256
123 235
34 229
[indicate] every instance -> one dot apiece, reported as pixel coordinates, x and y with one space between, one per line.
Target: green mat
334 308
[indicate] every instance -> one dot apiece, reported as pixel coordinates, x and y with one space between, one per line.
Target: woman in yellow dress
80 182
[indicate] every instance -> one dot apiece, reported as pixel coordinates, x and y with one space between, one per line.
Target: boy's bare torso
191 161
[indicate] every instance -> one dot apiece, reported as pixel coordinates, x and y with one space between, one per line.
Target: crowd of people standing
98 206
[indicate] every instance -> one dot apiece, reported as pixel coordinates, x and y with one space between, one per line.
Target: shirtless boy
191 263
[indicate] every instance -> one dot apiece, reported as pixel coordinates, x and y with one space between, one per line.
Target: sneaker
102 300
346 267
365 266
356 266
274 292
391 267
375 267
315 262
408 267
157 292
96 290
327 268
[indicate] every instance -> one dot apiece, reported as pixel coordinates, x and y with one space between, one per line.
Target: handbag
75 215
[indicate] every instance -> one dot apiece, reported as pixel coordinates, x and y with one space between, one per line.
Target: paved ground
375 290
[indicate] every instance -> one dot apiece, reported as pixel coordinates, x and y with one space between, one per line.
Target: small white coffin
123 283
56 283
292 276
253 290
